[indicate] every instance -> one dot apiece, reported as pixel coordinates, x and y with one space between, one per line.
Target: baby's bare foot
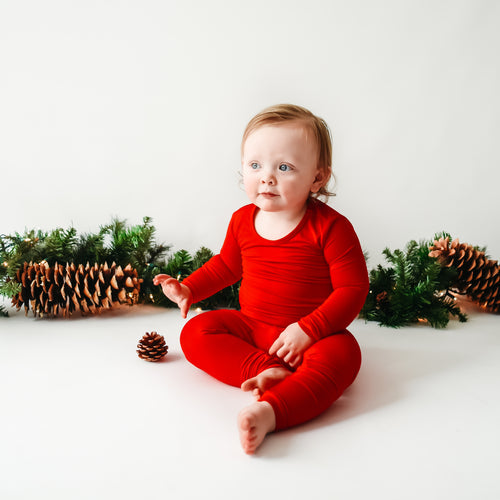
265 380
254 422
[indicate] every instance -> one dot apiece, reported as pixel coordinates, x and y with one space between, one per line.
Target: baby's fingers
278 343
285 353
184 307
295 361
171 281
160 278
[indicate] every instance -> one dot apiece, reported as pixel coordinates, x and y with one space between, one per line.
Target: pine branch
59 246
414 288
90 248
180 265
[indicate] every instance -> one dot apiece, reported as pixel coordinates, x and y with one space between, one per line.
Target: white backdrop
133 108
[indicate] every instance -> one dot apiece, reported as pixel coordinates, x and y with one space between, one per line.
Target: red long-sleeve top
316 275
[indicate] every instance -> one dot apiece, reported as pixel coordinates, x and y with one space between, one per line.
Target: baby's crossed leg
328 368
221 344
258 419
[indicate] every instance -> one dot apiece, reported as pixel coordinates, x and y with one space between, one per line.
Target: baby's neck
277 225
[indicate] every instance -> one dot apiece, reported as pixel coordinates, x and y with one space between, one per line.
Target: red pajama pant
233 348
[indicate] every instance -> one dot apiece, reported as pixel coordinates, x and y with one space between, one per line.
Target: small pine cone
381 298
478 277
152 347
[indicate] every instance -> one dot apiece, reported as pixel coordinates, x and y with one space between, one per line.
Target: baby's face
280 167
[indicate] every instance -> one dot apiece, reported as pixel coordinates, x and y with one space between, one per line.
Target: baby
304 280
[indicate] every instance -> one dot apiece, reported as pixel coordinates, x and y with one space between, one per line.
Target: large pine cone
64 289
152 347
478 277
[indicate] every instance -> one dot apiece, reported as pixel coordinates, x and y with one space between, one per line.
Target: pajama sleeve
220 271
350 283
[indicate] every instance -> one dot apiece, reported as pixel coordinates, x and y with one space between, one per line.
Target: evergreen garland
415 287
115 242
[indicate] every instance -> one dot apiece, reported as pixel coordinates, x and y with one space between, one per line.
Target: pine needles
415 287
115 242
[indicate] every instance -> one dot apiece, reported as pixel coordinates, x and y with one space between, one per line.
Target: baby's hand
291 345
175 291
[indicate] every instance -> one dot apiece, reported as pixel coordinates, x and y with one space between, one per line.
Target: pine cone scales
58 289
478 277
152 347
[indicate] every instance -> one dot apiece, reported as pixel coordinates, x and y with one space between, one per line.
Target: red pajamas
315 276
233 348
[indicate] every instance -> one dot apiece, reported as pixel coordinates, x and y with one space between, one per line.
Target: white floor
82 417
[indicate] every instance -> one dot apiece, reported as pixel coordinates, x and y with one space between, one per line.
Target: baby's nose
268 179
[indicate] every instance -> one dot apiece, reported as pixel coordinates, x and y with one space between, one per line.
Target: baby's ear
322 177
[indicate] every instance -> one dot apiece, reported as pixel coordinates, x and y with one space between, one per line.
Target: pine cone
64 289
381 298
478 277
152 347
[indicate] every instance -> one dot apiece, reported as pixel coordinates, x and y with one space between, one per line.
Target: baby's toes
256 393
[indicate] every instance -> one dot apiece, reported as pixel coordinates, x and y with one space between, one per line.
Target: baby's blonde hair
281 113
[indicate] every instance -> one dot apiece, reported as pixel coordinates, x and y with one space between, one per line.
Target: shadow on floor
384 379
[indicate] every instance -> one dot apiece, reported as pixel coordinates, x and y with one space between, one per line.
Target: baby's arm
350 285
349 278
291 345
175 291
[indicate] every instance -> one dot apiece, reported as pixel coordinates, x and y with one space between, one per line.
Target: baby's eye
254 165
284 167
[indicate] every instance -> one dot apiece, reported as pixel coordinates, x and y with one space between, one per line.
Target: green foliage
12 251
180 265
90 248
114 242
59 245
132 245
202 256
413 288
